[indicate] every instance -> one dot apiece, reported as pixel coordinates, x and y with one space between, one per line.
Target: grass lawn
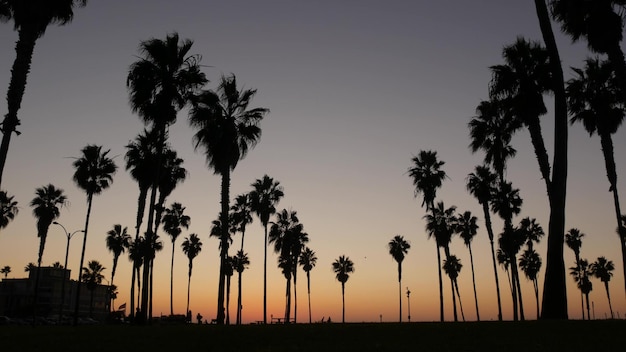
596 336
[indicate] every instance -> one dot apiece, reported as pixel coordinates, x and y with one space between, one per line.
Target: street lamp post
408 297
67 251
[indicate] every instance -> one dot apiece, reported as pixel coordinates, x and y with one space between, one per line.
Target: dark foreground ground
568 336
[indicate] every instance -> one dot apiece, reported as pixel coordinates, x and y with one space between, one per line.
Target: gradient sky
356 89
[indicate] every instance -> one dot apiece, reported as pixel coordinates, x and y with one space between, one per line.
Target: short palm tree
226 129
597 101
343 267
531 230
581 273
191 247
171 174
467 228
530 263
573 239
92 276
93 174
173 223
264 197
398 248
117 241
452 266
427 177
135 255
30 267
307 260
240 263
8 209
30 19
242 214
5 270
603 270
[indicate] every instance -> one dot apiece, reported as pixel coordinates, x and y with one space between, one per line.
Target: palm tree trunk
228 299
224 244
609 161
19 73
265 277
42 245
243 235
151 288
287 301
456 318
239 298
172 282
493 256
308 286
473 282
141 207
588 312
115 259
343 302
400 291
536 287
82 258
536 138
608 295
188 288
458 294
514 288
554 289
519 293
295 292
440 282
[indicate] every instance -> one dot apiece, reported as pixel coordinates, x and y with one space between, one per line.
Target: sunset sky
355 89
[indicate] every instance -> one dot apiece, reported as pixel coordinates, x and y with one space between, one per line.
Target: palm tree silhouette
581 273
191 247
308 259
427 177
452 266
573 239
482 184
264 197
152 244
530 263
240 263
92 276
343 267
603 270
160 84
135 256
6 271
242 214
398 248
531 230
30 20
30 267
467 228
595 100
93 174
8 209
173 222
171 174
229 270
117 241
226 130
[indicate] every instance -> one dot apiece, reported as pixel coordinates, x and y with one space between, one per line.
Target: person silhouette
199 317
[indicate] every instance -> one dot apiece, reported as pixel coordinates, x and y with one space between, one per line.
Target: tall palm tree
191 247
530 263
398 248
264 197
6 270
452 266
427 177
92 275
581 273
467 228
160 84
240 263
308 259
93 174
596 100
242 214
602 269
8 209
30 19
226 129
343 267
173 223
135 255
117 241
573 239
482 184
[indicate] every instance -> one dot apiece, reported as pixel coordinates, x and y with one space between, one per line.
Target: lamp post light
408 297
67 251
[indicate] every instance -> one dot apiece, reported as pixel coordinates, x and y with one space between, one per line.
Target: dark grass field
568 336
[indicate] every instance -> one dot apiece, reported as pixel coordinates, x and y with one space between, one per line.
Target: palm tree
581 273
603 270
531 230
573 239
226 130
191 247
135 255
6 270
452 266
117 241
530 263
595 100
240 263
427 177
467 227
92 276
93 174
30 19
8 209
343 267
482 184
171 174
398 248
308 259
229 271
173 222
242 214
30 267
264 197
160 84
